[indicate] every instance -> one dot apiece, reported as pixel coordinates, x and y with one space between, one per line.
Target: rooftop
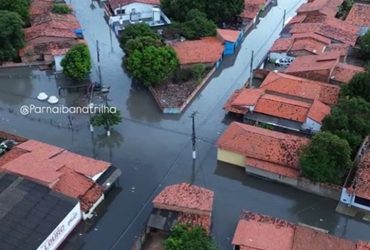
185 198
116 3
252 8
330 27
359 15
59 169
361 183
253 230
268 147
279 105
29 212
344 72
301 87
307 239
310 42
205 50
327 7
229 35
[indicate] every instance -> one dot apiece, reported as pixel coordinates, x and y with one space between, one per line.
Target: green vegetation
364 45
18 6
197 25
152 65
326 159
349 120
136 30
358 86
188 238
77 62
344 9
196 72
11 35
216 10
59 8
140 43
106 119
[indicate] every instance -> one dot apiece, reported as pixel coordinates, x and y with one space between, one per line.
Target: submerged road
154 150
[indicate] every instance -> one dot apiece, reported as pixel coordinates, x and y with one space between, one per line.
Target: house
208 51
121 13
231 40
359 16
257 231
34 216
336 30
320 7
50 35
260 151
325 68
356 191
299 44
65 172
251 10
259 105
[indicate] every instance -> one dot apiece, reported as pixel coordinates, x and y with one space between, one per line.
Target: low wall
325 190
178 110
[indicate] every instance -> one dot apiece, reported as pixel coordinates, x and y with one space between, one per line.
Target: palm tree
106 119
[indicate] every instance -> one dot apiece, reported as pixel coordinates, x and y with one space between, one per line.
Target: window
121 11
362 201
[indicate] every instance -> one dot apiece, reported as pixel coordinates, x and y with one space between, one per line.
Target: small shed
231 40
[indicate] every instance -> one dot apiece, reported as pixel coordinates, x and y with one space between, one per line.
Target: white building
121 13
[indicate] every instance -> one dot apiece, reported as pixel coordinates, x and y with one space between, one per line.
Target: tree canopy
134 31
11 35
358 86
197 25
216 10
326 159
77 62
60 8
365 45
152 65
106 119
349 120
17 6
141 42
185 238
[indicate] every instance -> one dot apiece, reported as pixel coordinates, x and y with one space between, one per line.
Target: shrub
59 8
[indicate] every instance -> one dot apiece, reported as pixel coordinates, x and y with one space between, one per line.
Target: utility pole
284 17
97 51
193 137
251 70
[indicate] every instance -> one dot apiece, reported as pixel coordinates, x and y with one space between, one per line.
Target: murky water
154 150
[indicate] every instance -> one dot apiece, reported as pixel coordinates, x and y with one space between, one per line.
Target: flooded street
154 150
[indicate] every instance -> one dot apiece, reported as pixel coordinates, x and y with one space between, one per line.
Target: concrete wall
312 125
146 10
231 157
300 183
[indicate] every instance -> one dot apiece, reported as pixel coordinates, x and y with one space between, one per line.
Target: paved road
154 150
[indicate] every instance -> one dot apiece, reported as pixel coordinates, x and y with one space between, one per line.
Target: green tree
188 238
59 8
224 11
106 119
197 25
152 65
359 86
11 35
135 31
349 120
140 43
326 159
77 62
179 9
365 45
216 10
18 6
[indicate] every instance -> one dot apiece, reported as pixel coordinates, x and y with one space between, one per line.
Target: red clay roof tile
327 7
255 231
344 72
361 183
307 239
185 198
228 35
359 15
206 50
262 144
